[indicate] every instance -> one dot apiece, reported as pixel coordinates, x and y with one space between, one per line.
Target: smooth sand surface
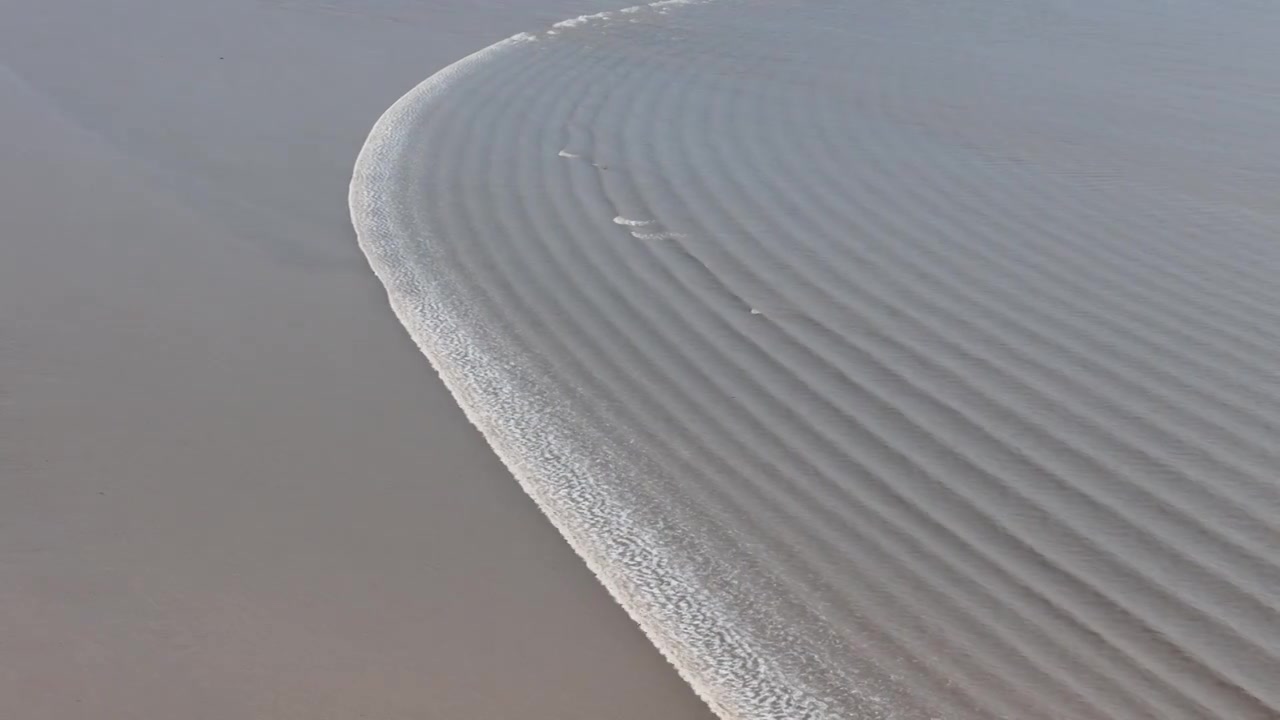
230 486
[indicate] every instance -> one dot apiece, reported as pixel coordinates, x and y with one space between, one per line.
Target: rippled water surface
884 359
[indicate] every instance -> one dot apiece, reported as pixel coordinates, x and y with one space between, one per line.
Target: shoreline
554 461
238 489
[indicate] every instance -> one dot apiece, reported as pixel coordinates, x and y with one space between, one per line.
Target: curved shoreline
853 392
553 473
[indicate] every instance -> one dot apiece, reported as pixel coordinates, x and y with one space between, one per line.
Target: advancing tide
911 359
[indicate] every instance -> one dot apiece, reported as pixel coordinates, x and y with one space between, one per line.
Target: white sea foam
582 20
657 236
661 7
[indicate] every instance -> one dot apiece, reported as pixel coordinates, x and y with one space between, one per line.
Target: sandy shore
232 486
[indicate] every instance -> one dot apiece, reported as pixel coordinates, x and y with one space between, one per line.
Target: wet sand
232 487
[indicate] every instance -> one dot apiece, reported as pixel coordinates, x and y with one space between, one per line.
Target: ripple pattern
912 360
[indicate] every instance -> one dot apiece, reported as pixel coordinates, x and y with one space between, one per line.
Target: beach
232 487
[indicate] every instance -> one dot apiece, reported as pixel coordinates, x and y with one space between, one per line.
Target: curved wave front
912 360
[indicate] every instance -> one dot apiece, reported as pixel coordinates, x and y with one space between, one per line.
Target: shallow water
883 359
